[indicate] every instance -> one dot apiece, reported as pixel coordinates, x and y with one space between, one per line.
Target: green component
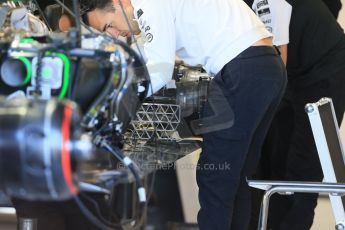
66 73
26 40
27 64
47 72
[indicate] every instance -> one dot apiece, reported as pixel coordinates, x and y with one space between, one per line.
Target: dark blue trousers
252 84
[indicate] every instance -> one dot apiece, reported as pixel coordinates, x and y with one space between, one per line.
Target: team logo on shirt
139 13
266 21
261 3
149 37
264 12
146 29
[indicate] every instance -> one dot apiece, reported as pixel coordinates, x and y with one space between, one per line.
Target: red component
65 154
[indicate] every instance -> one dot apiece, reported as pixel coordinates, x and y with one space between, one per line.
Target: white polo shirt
200 32
276 15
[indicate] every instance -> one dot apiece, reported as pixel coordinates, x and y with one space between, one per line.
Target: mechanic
231 43
316 69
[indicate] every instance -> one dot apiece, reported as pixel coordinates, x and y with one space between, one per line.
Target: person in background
316 69
334 6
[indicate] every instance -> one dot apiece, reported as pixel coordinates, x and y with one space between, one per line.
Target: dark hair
90 5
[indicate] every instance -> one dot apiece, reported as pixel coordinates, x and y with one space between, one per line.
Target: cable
141 56
90 216
38 77
150 85
117 153
135 171
77 15
98 211
77 21
130 29
131 165
149 194
75 80
92 110
135 40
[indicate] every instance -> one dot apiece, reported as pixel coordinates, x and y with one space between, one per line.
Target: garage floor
323 220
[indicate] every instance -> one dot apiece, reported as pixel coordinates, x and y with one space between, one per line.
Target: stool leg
264 209
27 224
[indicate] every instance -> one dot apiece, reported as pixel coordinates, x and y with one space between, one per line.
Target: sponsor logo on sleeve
139 13
263 12
261 4
146 29
149 37
267 21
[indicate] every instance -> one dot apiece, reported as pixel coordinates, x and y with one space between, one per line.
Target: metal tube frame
332 188
289 190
